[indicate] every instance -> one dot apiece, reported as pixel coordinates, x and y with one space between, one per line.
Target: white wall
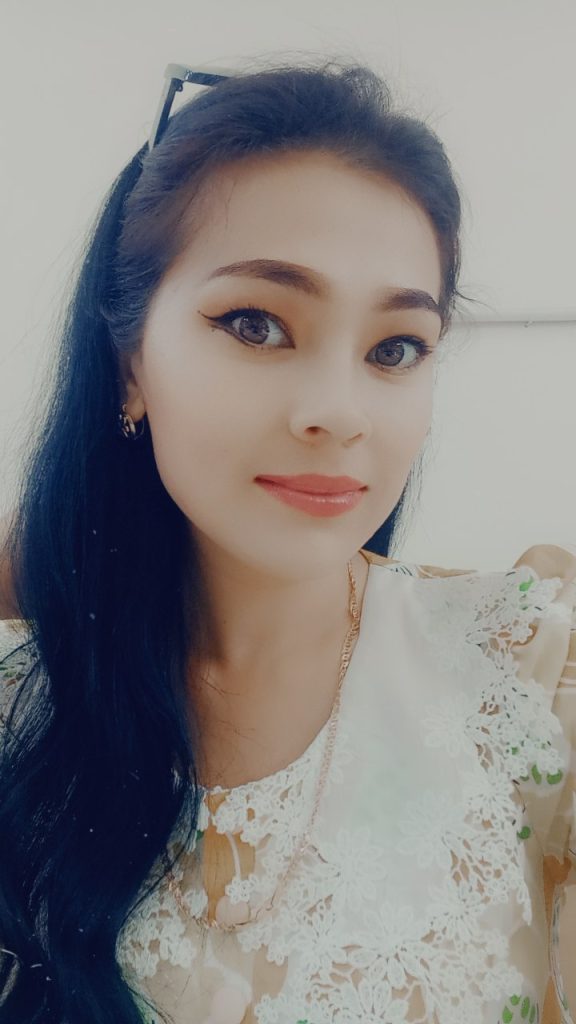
497 79
501 472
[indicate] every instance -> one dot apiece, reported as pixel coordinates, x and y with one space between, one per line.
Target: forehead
354 225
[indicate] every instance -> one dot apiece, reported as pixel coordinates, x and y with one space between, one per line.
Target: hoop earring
127 426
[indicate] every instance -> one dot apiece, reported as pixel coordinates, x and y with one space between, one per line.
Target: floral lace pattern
403 907
355 949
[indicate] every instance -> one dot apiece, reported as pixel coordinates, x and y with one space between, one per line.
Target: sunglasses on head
175 76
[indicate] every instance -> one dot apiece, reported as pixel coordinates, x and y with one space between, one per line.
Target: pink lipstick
317 495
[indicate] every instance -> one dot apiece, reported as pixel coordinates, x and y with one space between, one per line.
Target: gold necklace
173 885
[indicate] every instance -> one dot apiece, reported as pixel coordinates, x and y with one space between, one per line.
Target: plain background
80 83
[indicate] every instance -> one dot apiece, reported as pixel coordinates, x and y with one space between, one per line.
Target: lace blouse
431 889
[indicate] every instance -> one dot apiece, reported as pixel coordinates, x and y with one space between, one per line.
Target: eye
251 318
252 324
393 344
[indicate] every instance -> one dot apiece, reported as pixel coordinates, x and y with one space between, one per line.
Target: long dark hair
98 761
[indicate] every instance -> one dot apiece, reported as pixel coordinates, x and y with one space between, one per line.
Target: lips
317 484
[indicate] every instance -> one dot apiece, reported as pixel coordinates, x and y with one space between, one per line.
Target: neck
262 621
260 710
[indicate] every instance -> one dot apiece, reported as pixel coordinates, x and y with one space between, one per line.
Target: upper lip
313 483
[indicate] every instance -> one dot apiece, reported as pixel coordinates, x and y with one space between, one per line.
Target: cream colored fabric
446 837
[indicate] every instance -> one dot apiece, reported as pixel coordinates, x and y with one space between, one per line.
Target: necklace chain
304 840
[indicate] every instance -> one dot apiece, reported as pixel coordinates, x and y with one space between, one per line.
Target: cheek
405 420
398 439
194 419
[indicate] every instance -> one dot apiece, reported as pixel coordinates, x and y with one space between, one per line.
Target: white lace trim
356 953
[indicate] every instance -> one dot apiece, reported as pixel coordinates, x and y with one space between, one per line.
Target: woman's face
307 385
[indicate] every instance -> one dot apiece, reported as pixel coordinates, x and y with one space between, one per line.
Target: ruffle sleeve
549 657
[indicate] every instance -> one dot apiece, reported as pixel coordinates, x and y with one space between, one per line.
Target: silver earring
127 426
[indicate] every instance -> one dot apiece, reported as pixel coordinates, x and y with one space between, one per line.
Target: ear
130 368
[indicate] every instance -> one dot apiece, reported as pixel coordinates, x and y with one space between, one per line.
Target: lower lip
314 504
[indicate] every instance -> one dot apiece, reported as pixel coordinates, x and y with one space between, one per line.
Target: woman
255 769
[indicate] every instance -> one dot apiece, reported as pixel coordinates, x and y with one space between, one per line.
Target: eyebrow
311 282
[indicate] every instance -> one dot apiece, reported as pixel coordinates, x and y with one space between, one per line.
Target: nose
331 406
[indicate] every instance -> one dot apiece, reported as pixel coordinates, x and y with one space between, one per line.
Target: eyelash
424 350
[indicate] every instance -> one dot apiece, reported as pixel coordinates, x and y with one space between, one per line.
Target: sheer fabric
432 887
